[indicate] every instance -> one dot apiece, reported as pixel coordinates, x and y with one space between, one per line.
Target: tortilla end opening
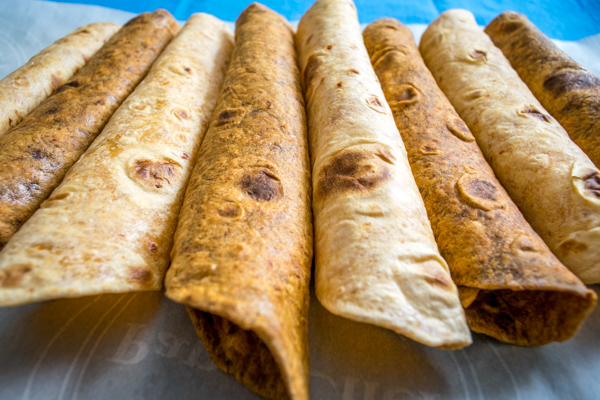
240 353
529 317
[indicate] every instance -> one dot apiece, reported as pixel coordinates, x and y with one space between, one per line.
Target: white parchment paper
143 346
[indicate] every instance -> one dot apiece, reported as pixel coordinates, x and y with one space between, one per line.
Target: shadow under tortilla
48 346
354 361
557 370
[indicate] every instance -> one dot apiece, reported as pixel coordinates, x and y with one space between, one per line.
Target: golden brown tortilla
552 181
36 155
24 89
109 226
512 287
243 246
568 90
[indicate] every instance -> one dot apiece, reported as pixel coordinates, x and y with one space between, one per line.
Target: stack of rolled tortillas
442 194
510 283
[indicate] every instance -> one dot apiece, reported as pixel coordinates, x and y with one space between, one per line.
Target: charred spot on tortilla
592 184
261 186
140 275
313 64
565 81
155 174
14 275
353 171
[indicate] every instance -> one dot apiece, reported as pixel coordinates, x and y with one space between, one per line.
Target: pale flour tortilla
376 258
109 226
24 89
548 176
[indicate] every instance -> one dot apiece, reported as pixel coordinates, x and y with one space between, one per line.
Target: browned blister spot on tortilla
230 210
534 112
407 93
353 171
565 81
572 246
261 186
374 101
483 189
385 155
592 184
181 113
525 243
404 95
55 82
478 55
152 247
459 129
476 94
155 174
509 27
141 275
23 82
13 275
436 276
479 192
310 71
375 104
230 116
428 150
387 56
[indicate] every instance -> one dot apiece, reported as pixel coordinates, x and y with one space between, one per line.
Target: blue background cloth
559 19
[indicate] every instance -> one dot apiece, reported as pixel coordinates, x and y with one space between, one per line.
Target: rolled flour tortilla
511 285
243 247
24 89
552 181
36 155
568 90
109 226
376 257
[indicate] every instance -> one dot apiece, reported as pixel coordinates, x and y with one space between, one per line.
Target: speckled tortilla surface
243 246
24 89
550 179
505 273
109 226
376 257
568 90
36 155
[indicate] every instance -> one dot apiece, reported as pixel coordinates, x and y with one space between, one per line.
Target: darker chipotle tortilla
512 287
568 90
36 155
243 247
